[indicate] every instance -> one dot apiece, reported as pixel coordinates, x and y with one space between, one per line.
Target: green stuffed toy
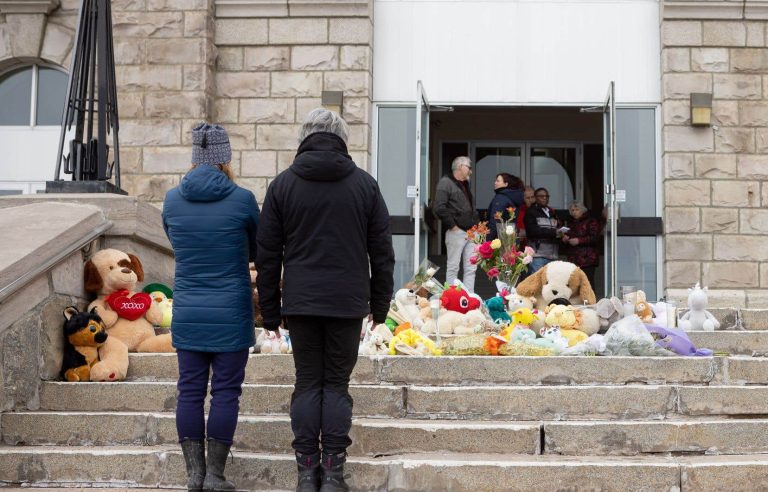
497 309
163 296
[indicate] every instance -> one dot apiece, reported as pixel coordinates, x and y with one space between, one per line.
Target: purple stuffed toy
676 340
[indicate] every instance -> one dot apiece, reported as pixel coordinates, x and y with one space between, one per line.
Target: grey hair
323 120
460 161
577 205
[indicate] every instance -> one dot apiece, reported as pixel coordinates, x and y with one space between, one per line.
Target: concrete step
450 371
443 402
584 402
162 466
385 437
370 401
271 434
747 342
631 438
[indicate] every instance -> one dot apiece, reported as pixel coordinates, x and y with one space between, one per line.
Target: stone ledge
36 231
129 215
28 6
292 8
715 9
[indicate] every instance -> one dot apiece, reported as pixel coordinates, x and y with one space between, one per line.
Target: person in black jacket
324 224
541 230
509 193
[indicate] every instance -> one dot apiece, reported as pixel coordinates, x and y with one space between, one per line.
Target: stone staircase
448 423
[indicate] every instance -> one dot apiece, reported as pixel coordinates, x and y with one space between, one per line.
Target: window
32 99
33 95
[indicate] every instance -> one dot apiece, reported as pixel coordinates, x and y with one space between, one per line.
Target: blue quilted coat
211 223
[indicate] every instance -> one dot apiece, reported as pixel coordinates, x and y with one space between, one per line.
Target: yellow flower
496 243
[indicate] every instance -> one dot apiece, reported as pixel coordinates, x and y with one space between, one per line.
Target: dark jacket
587 231
211 223
503 199
325 224
541 231
453 206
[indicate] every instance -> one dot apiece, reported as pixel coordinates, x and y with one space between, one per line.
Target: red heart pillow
129 307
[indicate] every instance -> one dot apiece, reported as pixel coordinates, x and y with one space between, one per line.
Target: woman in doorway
509 193
582 240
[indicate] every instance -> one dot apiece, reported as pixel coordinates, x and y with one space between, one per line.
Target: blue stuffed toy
497 309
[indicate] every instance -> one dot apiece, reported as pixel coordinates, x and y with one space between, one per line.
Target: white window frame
33 93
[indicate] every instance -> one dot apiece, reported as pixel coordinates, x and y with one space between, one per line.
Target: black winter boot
194 457
214 472
309 472
333 473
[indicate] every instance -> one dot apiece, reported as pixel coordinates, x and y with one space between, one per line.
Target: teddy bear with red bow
128 315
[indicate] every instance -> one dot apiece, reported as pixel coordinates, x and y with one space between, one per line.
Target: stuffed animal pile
90 354
128 315
120 319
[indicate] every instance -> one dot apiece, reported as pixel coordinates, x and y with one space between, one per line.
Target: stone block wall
716 178
271 69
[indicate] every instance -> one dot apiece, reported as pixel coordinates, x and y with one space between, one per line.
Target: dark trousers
324 353
589 271
226 387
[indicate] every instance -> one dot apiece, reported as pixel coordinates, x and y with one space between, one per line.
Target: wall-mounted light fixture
701 109
332 100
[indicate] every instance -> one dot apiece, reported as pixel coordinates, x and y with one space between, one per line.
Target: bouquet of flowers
500 258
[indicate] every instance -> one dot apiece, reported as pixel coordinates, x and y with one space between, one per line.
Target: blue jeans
536 264
226 388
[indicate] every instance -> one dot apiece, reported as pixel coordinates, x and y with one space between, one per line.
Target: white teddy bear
697 317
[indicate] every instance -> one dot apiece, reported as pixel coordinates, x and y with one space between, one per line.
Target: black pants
589 271
324 353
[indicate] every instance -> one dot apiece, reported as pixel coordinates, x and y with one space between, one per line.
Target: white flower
431 272
510 230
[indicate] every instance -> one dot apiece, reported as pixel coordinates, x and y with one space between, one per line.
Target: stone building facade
716 178
258 67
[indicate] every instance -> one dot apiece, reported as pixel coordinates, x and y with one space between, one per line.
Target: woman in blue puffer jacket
509 193
211 223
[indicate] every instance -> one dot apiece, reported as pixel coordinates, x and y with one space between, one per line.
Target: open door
419 191
609 171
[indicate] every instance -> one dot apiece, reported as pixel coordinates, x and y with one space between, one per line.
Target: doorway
544 147
560 148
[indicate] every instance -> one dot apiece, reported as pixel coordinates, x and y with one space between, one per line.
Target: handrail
53 260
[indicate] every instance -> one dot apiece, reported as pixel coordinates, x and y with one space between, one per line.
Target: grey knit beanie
210 145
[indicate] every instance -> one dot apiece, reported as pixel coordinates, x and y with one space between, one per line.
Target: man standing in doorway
541 230
455 208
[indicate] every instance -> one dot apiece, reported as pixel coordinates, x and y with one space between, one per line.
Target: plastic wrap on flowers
628 336
594 345
423 274
465 345
523 348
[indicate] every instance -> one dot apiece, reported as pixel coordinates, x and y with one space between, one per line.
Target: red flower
473 259
485 250
493 272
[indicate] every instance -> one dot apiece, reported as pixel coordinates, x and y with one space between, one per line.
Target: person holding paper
541 229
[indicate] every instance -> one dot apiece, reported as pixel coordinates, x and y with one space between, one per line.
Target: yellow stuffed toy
410 342
569 321
524 316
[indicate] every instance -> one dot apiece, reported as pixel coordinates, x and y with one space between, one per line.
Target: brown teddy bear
128 315
89 353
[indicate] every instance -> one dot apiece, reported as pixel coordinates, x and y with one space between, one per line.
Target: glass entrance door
555 168
609 173
489 161
420 190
